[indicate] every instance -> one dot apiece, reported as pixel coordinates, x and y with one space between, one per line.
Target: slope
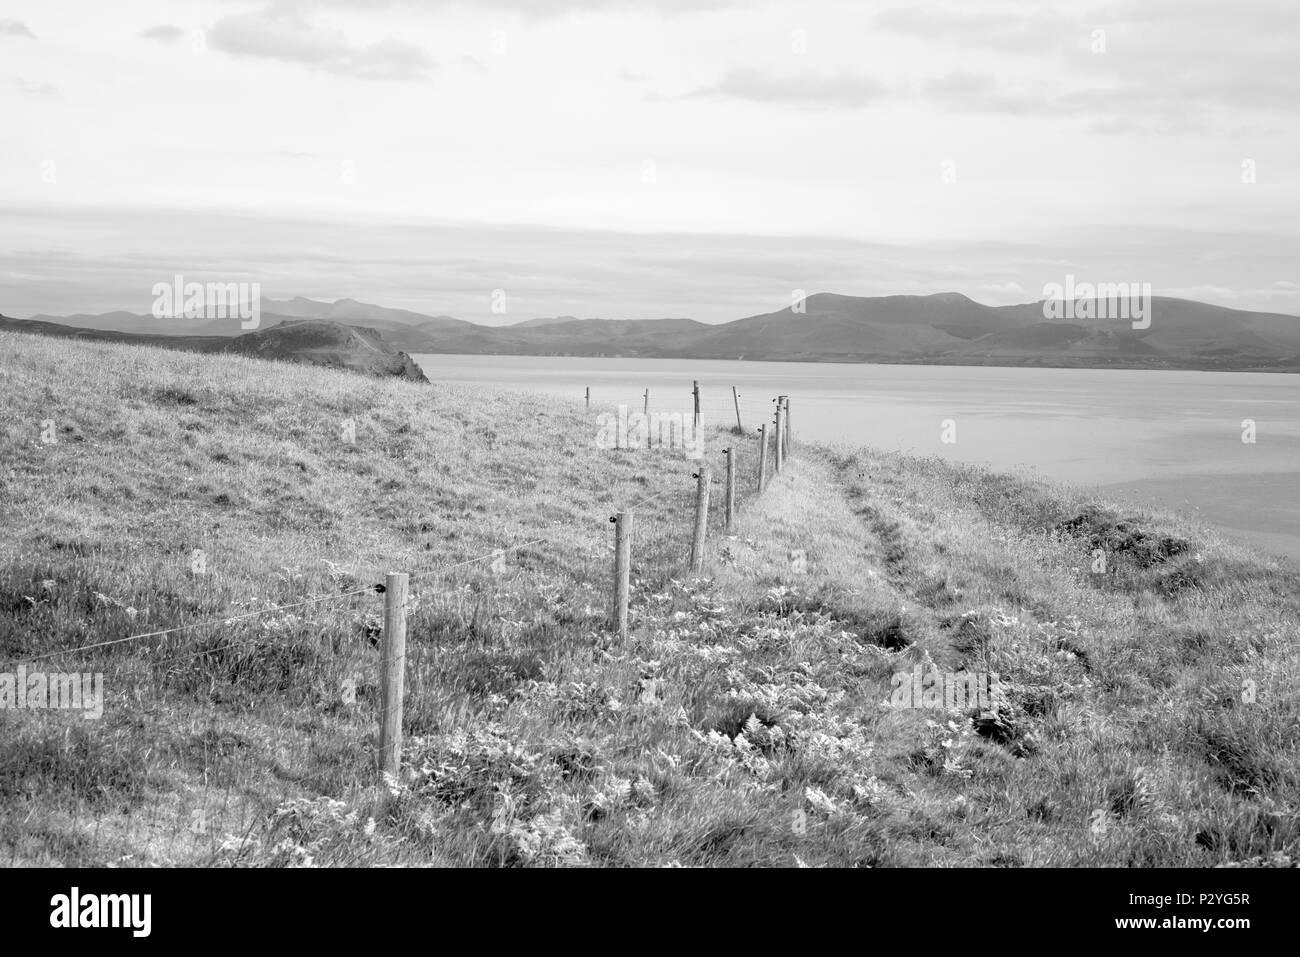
1148 715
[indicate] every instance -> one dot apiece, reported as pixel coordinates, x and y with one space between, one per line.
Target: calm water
1170 438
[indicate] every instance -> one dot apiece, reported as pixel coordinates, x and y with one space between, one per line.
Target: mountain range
945 328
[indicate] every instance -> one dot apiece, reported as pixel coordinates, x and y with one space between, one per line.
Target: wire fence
461 620
658 542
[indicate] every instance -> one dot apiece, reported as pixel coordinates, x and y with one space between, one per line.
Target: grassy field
1146 711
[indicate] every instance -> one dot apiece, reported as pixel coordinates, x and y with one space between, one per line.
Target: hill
311 341
946 328
323 343
949 328
1146 712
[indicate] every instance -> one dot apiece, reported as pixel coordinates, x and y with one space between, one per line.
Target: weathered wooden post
762 457
589 397
622 569
731 486
735 397
393 672
789 435
649 432
695 391
701 518
780 439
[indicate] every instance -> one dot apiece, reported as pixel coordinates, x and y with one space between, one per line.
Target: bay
1173 439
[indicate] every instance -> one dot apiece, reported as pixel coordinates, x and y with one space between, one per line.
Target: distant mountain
351 311
946 328
858 329
146 324
950 328
273 311
313 341
542 321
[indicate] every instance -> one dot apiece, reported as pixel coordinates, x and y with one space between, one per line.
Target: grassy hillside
318 342
741 723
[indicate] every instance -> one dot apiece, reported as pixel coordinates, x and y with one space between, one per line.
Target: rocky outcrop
323 342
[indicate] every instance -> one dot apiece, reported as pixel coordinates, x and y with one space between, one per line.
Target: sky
646 159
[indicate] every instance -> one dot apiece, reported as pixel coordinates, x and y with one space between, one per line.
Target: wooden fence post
589 397
789 435
780 439
393 672
695 391
701 518
735 397
649 433
731 487
622 569
762 457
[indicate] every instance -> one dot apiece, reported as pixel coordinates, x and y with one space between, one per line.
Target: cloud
1120 103
164 32
967 92
15 28
959 90
1023 29
821 91
1004 290
289 38
34 88
1202 293
540 9
1165 66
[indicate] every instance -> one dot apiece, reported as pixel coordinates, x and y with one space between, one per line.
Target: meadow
1146 715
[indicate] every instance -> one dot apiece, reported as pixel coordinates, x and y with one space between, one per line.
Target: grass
1147 713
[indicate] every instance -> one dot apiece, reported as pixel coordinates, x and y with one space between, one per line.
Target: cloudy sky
641 159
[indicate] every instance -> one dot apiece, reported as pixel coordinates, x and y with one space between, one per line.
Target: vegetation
1146 713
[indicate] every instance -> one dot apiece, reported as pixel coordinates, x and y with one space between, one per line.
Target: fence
395 588
394 647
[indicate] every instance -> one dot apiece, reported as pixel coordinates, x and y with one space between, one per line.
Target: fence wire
468 623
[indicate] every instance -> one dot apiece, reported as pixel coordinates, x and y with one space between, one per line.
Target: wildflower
716 739
294 855
820 800
870 791
643 789
545 840
618 789
234 845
